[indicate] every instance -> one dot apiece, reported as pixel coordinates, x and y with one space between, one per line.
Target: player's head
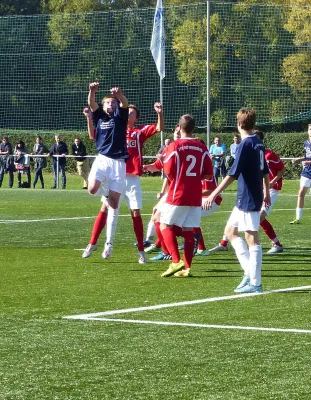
236 138
259 134
187 124
246 119
110 104
134 115
176 134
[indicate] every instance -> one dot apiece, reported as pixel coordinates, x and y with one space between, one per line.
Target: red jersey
275 165
135 138
211 184
185 161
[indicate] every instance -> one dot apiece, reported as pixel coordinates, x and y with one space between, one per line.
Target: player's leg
98 226
266 225
305 184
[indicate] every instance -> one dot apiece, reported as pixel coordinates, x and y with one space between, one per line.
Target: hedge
285 144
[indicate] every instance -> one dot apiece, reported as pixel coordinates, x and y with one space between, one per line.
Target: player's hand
158 107
116 91
160 157
93 86
208 202
87 112
159 195
305 163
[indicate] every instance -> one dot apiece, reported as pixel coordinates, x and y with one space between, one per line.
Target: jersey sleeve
275 160
97 115
158 164
149 130
207 165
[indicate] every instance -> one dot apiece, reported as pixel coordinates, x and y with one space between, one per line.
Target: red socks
269 231
98 226
139 231
171 243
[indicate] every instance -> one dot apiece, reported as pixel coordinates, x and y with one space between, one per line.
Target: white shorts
183 216
274 195
206 213
110 172
244 220
305 182
133 194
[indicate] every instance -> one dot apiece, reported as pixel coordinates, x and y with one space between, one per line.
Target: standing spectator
249 169
40 162
83 165
6 161
229 160
59 148
22 163
186 162
217 153
305 177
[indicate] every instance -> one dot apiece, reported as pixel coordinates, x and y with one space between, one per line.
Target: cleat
202 253
183 273
146 243
160 256
220 247
181 247
174 267
151 249
167 257
275 249
142 257
295 222
107 251
89 250
249 288
245 281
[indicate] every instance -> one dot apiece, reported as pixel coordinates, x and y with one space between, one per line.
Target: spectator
59 148
83 165
229 160
40 162
217 153
22 163
6 161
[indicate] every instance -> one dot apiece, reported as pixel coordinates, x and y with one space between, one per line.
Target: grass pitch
197 351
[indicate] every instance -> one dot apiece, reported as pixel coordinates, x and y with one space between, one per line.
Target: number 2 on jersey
192 160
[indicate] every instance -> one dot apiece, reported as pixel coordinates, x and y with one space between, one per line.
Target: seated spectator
22 164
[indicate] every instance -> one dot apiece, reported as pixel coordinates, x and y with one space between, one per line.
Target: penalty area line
207 326
183 303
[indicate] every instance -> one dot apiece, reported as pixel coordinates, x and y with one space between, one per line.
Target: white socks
242 253
255 263
112 220
150 231
299 213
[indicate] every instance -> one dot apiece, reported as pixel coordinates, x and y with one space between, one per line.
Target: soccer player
249 168
276 172
185 162
305 177
108 169
136 137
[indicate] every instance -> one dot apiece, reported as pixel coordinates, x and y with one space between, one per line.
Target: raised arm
90 127
160 123
117 92
91 97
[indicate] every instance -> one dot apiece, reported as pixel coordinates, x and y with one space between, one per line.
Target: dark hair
39 137
260 134
136 109
187 123
246 118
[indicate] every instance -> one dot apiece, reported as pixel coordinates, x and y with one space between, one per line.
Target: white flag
157 45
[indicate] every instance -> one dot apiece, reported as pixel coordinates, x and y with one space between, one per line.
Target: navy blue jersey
249 167
306 172
111 132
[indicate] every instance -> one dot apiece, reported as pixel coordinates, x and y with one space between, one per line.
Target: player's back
185 161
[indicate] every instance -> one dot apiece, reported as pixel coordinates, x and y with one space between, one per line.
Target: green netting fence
260 57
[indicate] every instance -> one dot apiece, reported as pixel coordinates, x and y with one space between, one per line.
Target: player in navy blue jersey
305 177
110 121
252 173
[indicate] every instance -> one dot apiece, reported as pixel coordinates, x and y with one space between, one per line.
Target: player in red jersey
276 172
185 162
135 138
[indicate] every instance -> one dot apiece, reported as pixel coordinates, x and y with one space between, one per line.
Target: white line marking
183 303
249 328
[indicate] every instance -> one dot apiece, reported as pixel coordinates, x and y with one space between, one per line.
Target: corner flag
157 45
